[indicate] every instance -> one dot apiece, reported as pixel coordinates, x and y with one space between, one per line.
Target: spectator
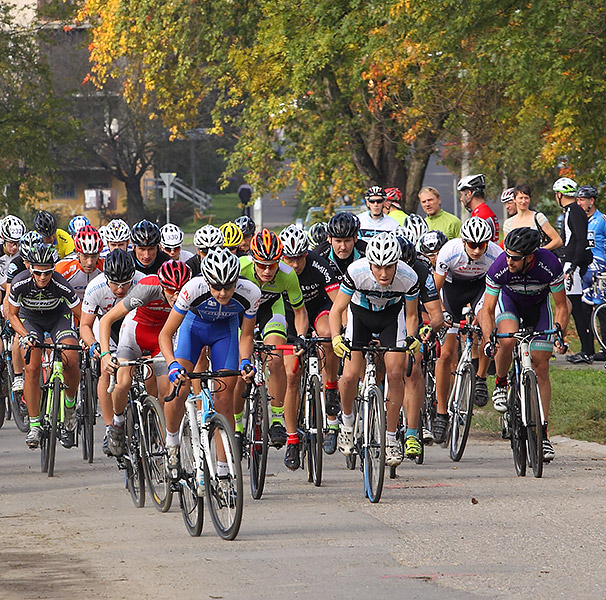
438 219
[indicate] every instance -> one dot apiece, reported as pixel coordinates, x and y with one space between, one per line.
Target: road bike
598 315
86 407
430 352
14 401
209 461
145 435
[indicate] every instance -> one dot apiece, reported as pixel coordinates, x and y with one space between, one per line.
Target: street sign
168 192
168 178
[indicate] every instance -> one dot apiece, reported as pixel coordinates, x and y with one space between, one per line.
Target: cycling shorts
389 324
59 329
136 339
458 293
314 314
271 320
220 336
538 316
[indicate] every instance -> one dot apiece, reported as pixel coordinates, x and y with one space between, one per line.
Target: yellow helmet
232 235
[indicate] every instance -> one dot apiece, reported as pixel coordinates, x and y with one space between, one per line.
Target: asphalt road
442 530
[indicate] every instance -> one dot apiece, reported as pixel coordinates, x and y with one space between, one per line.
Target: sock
277 415
293 438
222 469
478 378
34 422
410 432
331 385
118 419
391 438
239 428
348 420
501 381
106 429
545 436
172 439
19 374
333 422
69 402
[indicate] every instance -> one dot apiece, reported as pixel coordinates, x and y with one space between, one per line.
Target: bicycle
598 314
430 354
206 436
524 420
145 433
15 402
86 407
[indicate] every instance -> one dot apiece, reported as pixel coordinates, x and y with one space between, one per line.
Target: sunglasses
120 284
375 200
477 245
218 288
41 272
266 266
513 257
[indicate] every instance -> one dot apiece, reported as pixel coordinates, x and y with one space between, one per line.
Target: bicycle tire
18 406
517 431
599 312
154 456
257 435
419 460
534 427
430 409
374 453
89 416
224 494
2 410
351 459
460 419
191 503
315 434
135 477
54 425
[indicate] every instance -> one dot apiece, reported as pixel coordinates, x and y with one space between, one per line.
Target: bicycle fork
526 360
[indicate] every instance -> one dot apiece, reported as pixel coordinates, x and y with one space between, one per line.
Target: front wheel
516 429
257 435
315 433
534 426
190 498
56 399
598 325
374 450
87 417
224 491
462 410
135 478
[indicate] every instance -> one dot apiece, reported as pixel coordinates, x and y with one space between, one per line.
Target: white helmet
294 241
207 237
507 195
103 233
220 267
171 236
12 229
566 186
383 249
117 231
476 230
471 182
414 227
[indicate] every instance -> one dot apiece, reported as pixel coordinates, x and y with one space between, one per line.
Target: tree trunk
421 152
134 200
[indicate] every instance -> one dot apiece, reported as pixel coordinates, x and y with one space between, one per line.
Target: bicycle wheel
430 410
598 325
54 426
374 452
135 478
315 433
517 431
87 408
154 454
3 401
462 410
18 406
224 492
421 458
257 435
192 504
534 427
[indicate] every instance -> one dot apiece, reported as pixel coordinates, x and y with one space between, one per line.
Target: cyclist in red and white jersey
472 198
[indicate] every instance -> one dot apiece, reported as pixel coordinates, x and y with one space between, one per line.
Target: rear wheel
257 435
534 427
517 431
87 417
135 477
315 433
598 324
462 410
52 437
18 406
192 503
374 452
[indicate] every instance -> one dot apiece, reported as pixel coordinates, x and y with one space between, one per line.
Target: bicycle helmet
432 241
294 241
41 254
407 251
117 231
220 267
207 237
171 236
343 225
585 191
565 186
476 230
12 229
45 223
507 195
394 195
102 231
317 234
145 233
76 223
383 249
27 241
414 227
471 182
232 235
88 240
174 274
375 190
266 247
119 266
524 240
246 225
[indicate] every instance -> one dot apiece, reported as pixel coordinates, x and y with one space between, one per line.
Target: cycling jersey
326 251
427 286
369 227
98 297
64 243
185 255
148 301
49 302
5 261
454 263
485 212
317 280
16 266
398 215
575 251
194 264
152 269
71 269
596 235
443 221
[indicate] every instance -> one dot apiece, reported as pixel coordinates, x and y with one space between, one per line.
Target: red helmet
266 247
394 195
88 240
174 274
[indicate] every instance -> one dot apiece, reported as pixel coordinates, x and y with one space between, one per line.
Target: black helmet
246 225
119 266
432 241
45 223
587 191
375 190
145 233
407 249
41 254
524 240
317 234
343 225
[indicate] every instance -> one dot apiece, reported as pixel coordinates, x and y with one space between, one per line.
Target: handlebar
204 376
45 346
131 363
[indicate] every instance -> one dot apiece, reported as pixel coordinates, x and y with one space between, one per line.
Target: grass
578 406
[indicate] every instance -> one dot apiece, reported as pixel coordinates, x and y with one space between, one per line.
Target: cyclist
80 271
248 227
317 234
144 309
100 297
76 223
507 200
431 243
41 300
413 229
519 282
171 240
46 225
12 229
379 295
232 236
263 267
148 257
393 204
472 198
437 218
205 238
206 313
460 277
374 220
117 235
319 286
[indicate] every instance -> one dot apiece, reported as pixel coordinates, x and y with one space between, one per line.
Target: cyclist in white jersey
171 240
374 221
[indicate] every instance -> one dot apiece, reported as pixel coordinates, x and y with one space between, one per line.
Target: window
64 190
